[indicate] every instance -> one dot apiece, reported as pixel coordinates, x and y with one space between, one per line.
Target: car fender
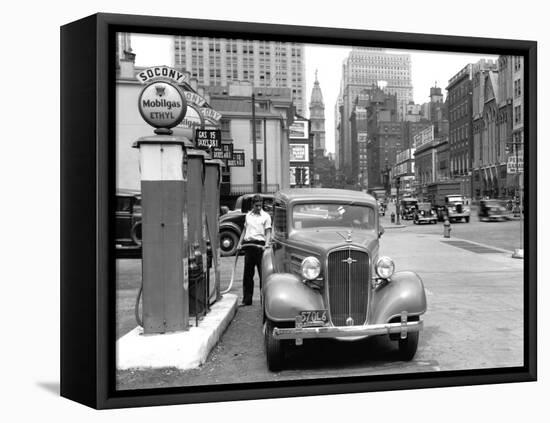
267 264
285 295
231 226
405 292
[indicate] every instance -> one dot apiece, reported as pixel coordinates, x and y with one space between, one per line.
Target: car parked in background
231 224
456 208
128 224
492 210
424 213
324 277
408 207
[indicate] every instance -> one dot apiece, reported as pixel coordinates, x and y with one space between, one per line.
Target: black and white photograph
275 211
291 211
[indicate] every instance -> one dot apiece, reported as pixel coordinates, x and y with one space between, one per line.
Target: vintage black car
128 224
424 213
324 278
232 222
408 207
492 210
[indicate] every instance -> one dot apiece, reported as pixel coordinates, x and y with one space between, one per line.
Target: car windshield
456 200
348 216
409 203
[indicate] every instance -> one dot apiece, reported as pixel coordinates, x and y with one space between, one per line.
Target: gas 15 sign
208 138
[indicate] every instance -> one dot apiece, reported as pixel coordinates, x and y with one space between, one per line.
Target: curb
182 350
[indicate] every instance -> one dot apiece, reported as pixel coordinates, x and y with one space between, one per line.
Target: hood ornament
348 239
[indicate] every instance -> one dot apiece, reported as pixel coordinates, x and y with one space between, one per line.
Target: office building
220 61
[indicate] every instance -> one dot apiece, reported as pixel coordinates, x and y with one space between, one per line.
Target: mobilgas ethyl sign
161 103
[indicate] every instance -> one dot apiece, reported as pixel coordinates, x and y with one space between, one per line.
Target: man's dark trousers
252 261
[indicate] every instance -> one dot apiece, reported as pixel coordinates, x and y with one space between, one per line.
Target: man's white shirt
256 225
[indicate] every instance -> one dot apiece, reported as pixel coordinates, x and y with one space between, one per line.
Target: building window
259 131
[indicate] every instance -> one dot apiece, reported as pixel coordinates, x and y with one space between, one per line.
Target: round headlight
311 268
385 267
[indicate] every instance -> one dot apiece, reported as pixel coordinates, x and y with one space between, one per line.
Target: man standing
256 235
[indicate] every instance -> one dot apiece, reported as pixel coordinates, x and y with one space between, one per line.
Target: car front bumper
403 327
458 215
427 219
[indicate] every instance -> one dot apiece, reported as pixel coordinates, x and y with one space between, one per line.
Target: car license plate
313 318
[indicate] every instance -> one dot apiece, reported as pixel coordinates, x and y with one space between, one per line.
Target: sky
427 69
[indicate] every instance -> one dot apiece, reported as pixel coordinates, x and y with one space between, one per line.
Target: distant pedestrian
255 237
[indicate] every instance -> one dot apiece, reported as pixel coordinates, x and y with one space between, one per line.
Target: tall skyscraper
317 116
219 61
363 69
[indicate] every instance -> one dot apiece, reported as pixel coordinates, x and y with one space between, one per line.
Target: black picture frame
87 179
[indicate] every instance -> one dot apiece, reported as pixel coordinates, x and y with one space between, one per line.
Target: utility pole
518 252
254 158
397 205
265 154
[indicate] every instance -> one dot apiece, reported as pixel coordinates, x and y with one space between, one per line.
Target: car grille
348 283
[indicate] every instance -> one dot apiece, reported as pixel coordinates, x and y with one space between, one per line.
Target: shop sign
299 152
299 129
237 160
224 152
515 163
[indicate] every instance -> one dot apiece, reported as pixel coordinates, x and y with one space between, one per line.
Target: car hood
325 239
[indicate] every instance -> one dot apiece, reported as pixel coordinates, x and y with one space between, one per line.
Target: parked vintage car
424 213
323 276
407 207
232 222
490 210
128 224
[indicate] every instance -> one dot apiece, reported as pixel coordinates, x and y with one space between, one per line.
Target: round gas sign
162 104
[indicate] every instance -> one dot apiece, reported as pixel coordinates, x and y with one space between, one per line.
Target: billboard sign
299 152
299 129
515 163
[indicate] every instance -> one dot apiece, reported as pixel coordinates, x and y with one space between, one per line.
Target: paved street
474 318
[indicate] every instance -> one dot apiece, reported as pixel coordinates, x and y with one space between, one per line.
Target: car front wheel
408 346
228 243
273 348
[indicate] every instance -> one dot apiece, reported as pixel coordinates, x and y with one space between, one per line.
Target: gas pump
165 297
197 235
164 242
212 205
